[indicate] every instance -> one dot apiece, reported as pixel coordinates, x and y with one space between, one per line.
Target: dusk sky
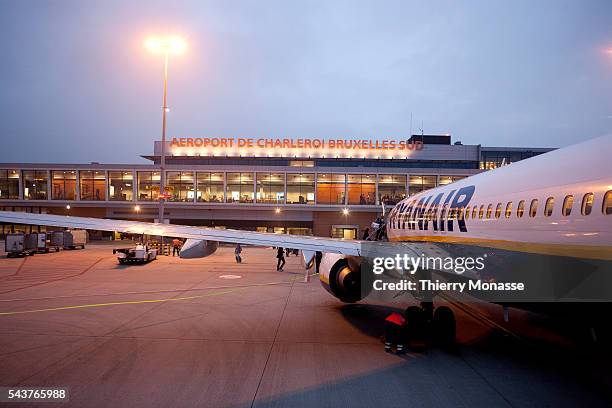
78 84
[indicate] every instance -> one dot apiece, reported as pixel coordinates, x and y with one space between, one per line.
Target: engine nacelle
198 248
340 275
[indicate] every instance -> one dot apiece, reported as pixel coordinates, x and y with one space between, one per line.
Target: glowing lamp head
277 211
68 207
166 45
137 208
345 211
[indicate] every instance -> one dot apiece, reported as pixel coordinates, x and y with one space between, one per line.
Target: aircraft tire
444 327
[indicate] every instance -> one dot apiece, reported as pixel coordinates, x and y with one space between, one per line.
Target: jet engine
340 275
198 248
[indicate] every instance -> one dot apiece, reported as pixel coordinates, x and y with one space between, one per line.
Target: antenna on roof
410 123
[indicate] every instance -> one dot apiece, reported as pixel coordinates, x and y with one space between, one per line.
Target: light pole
164 46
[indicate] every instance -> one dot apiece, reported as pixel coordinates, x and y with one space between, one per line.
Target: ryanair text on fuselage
417 214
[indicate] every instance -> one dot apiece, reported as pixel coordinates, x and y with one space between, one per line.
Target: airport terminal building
322 187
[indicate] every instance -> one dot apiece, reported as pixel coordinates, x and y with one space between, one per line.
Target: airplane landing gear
431 326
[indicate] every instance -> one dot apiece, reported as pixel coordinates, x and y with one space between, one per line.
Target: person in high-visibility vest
176 247
394 332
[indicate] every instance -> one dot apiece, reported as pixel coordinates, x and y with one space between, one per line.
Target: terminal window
361 189
271 188
35 184
209 187
9 184
92 185
120 185
421 183
63 185
180 185
240 187
391 188
331 188
148 185
444 180
300 188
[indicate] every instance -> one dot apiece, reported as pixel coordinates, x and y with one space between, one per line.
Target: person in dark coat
318 258
280 254
237 252
366 234
394 332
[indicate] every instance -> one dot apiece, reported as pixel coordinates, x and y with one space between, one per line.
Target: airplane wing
306 243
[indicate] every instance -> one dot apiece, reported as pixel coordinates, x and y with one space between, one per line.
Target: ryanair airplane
547 219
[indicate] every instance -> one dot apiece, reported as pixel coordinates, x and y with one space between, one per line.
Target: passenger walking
280 254
366 234
238 251
394 332
176 247
318 258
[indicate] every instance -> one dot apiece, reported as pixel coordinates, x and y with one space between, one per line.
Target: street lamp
165 46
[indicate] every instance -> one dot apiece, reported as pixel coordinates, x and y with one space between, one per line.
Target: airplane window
509 209
533 209
587 203
568 202
520 210
548 208
489 210
481 212
467 212
474 212
498 210
606 207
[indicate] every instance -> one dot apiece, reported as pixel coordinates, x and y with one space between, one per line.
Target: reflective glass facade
209 187
271 188
35 184
391 188
361 189
120 185
300 188
218 187
148 185
181 186
92 185
9 184
240 187
421 183
331 188
63 184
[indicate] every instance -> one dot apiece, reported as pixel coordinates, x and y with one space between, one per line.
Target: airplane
546 220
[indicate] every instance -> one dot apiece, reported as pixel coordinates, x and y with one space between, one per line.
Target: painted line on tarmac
132 302
55 280
19 268
147 292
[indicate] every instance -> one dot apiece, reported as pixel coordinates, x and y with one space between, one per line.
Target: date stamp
34 394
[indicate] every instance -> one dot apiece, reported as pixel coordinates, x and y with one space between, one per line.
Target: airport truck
39 239
139 255
72 239
19 244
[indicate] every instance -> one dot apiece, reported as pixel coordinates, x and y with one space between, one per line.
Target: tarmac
213 333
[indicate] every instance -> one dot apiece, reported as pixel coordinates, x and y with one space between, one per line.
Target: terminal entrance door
344 231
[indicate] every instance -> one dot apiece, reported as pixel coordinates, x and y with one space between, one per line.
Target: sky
77 84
